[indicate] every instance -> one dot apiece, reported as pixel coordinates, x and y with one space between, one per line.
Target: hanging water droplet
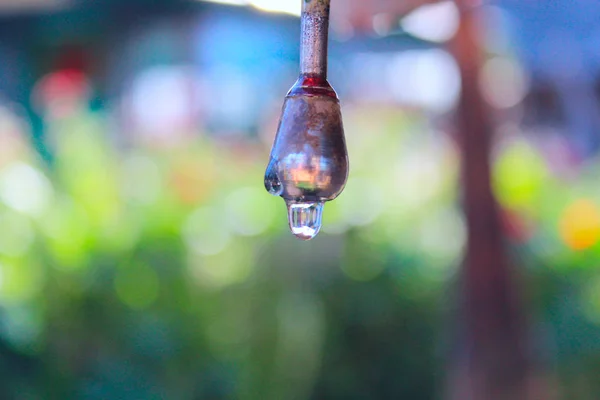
272 182
305 219
309 162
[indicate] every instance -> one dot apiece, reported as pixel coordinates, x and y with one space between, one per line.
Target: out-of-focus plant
148 271
145 271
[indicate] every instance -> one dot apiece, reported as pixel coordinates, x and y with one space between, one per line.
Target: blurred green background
141 258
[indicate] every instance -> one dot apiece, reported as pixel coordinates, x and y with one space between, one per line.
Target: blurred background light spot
25 189
67 231
231 266
249 212
342 30
21 281
137 285
580 224
417 177
206 231
292 7
192 178
16 234
230 100
229 2
442 236
141 179
60 93
362 203
14 132
433 22
503 82
519 175
425 78
162 102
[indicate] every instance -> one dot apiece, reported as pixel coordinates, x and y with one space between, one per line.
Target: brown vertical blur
492 359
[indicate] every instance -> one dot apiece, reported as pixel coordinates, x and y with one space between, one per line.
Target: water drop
272 182
305 219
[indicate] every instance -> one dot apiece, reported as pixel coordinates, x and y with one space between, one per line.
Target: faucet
308 164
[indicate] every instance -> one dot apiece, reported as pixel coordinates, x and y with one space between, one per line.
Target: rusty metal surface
314 37
309 160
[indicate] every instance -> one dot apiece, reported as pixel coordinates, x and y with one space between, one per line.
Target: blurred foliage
140 257
149 271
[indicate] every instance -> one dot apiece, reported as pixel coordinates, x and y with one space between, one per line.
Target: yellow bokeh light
520 173
580 225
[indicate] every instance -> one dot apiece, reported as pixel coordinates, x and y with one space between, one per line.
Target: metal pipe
309 162
314 37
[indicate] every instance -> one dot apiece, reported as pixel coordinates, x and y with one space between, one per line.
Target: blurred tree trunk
491 362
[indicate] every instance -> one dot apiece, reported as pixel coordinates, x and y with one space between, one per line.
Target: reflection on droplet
272 182
305 219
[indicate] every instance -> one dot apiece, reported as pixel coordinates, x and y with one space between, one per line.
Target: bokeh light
503 82
580 224
437 22
519 175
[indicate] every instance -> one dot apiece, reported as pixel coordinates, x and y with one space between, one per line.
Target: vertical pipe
492 361
314 37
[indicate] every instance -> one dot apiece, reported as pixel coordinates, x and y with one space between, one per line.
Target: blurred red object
60 92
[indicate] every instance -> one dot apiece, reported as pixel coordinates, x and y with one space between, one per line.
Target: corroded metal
315 28
309 160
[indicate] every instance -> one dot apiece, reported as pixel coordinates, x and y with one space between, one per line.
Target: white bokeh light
292 7
426 78
433 22
25 189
